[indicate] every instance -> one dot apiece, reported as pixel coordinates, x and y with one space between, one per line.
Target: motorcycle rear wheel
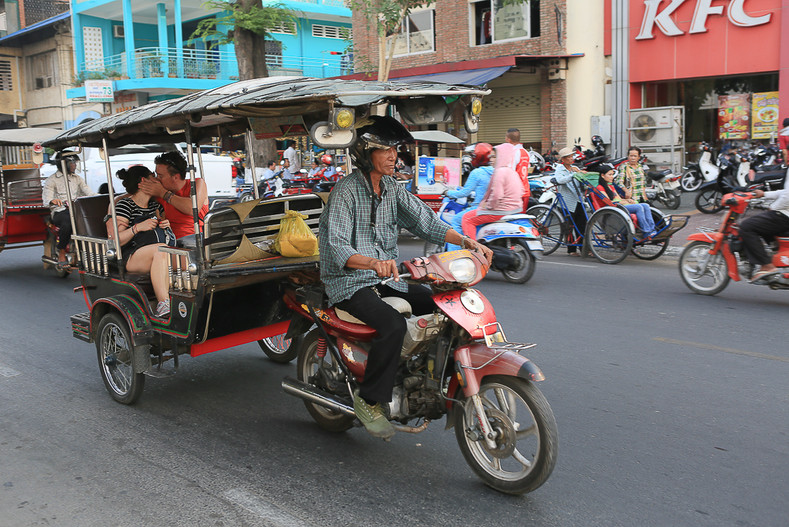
691 181
552 229
306 370
702 272
709 201
527 440
526 261
672 200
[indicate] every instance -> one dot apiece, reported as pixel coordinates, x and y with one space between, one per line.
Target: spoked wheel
709 201
690 181
523 271
114 347
673 199
609 237
326 374
550 225
246 196
526 439
432 248
280 349
654 249
702 272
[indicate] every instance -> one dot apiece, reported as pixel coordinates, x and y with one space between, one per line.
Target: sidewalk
696 220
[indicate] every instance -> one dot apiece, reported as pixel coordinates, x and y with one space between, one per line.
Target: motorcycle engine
419 330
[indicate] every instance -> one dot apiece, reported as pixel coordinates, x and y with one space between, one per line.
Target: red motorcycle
455 362
711 259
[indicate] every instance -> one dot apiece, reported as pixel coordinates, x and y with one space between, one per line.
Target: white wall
586 76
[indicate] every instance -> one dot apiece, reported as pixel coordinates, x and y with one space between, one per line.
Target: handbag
156 235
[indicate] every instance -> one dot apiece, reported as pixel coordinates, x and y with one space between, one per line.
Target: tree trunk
251 57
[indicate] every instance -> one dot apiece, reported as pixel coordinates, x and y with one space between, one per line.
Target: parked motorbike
696 174
663 186
734 174
455 361
514 240
712 259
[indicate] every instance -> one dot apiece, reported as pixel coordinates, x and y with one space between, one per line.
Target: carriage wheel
608 236
115 349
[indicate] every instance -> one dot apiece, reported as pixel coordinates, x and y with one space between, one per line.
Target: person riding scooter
54 195
766 225
358 249
476 184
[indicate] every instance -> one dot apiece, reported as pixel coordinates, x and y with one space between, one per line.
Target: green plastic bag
295 239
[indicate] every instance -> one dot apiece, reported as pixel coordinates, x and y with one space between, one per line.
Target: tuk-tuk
23 214
225 284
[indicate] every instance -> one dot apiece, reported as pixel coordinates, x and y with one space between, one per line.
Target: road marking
725 350
5 371
569 264
264 509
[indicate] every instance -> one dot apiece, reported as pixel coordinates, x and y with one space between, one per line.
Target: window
417 33
42 70
286 28
331 32
6 83
502 20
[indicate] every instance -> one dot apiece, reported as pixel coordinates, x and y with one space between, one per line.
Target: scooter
515 242
454 361
696 174
734 175
712 259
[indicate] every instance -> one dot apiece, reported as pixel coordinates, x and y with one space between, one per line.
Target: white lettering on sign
704 8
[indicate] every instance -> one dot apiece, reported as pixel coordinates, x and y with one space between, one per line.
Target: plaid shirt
346 229
634 179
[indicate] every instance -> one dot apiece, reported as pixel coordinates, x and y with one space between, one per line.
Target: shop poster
764 115
437 173
734 116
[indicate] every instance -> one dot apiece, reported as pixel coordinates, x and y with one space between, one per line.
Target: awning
38 25
476 77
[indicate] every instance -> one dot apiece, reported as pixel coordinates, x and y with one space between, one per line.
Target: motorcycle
696 174
663 186
514 240
455 361
712 259
734 174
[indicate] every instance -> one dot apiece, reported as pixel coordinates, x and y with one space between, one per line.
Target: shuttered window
6 83
511 107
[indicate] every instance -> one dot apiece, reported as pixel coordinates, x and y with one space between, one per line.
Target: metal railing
184 63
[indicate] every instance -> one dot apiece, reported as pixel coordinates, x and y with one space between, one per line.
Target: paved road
672 410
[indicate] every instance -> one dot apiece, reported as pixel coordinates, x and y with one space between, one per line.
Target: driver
358 249
767 225
476 184
54 195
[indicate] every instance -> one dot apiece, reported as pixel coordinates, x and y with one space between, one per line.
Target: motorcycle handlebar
403 276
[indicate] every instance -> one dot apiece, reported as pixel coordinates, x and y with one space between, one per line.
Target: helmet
480 155
65 154
326 159
597 140
383 132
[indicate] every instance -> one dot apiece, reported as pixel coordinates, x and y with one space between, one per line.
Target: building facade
725 63
542 59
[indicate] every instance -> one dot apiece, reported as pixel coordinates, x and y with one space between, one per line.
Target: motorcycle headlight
463 270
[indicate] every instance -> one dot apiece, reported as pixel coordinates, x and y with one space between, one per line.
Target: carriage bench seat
225 230
89 213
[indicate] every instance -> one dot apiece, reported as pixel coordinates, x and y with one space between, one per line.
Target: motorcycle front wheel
526 442
691 181
672 200
320 372
709 201
702 272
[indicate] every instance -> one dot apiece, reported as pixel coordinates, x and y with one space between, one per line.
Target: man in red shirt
520 163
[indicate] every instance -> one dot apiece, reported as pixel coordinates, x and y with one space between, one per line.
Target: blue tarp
477 77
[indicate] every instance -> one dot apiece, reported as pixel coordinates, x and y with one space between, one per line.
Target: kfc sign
704 8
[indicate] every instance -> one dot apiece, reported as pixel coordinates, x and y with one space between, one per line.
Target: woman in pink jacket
504 195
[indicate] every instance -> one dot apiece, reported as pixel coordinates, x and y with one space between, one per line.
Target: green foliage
83 76
256 19
388 14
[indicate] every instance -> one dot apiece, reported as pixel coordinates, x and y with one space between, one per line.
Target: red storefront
723 60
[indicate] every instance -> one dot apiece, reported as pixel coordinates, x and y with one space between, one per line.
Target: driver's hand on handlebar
385 269
57 202
758 193
474 245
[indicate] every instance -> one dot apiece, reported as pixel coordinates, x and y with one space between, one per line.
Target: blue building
145 49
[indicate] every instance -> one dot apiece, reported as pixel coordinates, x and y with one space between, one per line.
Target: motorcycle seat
657 176
517 216
399 304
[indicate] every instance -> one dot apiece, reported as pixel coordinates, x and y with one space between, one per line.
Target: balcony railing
207 64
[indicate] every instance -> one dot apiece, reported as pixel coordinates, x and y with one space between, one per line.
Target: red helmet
326 159
481 155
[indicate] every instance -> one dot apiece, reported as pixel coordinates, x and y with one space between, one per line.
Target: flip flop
761 275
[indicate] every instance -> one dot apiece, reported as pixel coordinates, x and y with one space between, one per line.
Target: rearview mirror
323 136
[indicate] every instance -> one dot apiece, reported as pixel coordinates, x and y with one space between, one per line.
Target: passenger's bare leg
149 260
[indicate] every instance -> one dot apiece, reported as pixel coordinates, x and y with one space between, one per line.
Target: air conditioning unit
118 32
657 127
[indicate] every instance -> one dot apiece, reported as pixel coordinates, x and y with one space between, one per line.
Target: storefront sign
98 91
733 116
437 173
704 8
764 115
126 100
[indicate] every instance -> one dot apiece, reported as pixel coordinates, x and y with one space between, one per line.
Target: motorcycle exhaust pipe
315 395
503 258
